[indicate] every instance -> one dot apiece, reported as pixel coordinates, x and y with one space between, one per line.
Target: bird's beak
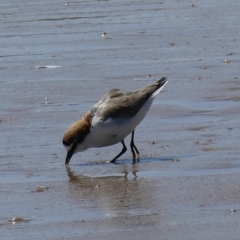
68 157
70 153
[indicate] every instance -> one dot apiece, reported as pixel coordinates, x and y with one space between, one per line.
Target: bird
111 120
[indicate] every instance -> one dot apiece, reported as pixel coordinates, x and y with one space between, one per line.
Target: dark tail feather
161 82
160 85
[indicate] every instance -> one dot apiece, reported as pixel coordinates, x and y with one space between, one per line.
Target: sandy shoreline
195 120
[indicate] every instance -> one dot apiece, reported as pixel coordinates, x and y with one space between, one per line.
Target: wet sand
186 185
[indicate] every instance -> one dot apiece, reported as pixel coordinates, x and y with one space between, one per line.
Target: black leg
133 147
124 149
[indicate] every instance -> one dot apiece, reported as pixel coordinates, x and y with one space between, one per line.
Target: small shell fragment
17 220
48 66
41 189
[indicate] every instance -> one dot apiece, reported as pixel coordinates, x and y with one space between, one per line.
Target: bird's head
75 135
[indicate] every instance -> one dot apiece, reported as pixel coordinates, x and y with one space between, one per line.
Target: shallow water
194 120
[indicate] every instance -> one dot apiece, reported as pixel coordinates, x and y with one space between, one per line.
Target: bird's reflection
124 173
85 181
118 192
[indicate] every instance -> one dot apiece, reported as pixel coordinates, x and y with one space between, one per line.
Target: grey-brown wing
124 105
115 104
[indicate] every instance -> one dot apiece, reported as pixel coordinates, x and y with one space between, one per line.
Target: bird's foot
135 158
112 161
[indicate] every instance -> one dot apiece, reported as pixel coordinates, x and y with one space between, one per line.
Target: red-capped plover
111 120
